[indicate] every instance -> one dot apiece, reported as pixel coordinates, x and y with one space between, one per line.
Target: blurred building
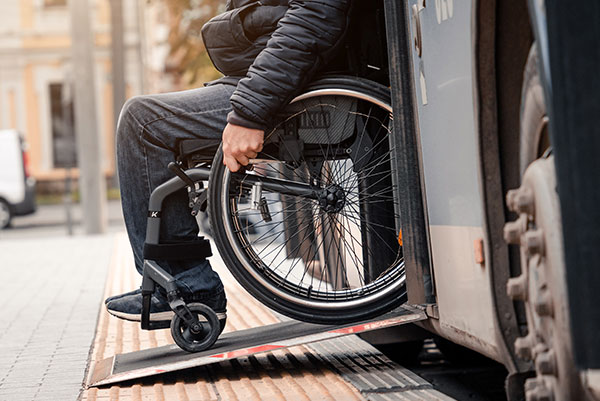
157 21
175 57
35 65
163 52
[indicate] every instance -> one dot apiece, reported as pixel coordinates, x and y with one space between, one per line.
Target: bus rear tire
541 286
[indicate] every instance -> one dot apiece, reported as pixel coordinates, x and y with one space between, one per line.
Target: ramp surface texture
236 344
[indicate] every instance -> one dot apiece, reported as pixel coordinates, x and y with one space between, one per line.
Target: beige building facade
35 65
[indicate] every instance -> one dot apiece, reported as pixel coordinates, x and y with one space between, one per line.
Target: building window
63 132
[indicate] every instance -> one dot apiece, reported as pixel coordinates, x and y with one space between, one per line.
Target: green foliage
189 60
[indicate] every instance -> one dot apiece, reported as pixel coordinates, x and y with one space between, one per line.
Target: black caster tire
203 337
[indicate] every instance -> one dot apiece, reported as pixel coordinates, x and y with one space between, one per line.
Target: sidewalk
50 294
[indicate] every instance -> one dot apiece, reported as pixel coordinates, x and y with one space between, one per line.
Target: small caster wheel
200 338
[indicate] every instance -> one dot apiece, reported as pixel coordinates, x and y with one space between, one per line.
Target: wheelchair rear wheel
311 228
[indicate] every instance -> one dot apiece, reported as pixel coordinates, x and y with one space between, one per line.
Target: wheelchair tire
332 256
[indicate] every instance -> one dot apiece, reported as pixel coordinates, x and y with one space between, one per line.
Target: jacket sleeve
305 39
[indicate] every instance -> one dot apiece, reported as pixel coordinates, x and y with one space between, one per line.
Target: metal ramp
134 365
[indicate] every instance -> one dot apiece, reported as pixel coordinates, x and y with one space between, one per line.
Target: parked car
17 187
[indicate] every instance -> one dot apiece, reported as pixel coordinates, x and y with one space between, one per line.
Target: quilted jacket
278 45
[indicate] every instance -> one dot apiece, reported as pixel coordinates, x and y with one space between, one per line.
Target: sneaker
129 307
112 298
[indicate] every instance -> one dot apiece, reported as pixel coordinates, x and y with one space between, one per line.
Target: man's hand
240 144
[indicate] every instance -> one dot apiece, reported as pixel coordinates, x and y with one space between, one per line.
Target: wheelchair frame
192 178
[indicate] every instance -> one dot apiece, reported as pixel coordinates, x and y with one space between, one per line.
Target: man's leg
147 135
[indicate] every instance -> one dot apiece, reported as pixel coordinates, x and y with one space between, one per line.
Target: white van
17 188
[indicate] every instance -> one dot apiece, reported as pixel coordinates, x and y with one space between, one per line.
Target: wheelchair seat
192 152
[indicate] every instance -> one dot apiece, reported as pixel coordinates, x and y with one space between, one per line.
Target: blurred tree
188 60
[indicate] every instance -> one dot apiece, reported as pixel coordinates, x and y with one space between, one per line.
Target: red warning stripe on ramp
364 327
247 351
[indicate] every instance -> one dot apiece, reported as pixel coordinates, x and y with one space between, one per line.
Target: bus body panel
444 86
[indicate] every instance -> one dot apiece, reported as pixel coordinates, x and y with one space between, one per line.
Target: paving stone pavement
50 293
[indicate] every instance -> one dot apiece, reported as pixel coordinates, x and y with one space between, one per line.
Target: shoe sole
159 316
118 296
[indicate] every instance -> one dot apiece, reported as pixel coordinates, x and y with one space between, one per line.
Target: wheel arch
502 41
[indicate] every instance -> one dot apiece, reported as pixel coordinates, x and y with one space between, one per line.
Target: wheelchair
310 227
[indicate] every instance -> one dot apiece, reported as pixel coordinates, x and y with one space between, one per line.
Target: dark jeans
148 129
